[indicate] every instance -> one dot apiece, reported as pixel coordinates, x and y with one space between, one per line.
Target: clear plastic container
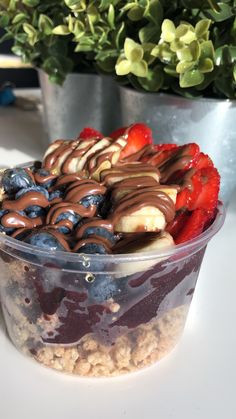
98 315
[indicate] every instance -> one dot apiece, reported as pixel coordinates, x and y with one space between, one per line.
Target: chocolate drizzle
28 199
16 220
91 240
42 179
143 197
129 170
82 188
93 222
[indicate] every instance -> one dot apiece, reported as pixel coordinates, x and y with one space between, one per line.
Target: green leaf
133 51
184 54
206 65
149 33
111 16
191 78
195 50
31 33
214 5
225 12
181 30
6 37
234 72
61 30
136 13
189 37
202 27
123 67
207 50
176 45
153 81
154 12
31 3
168 30
84 48
120 36
45 24
184 66
4 20
20 18
139 69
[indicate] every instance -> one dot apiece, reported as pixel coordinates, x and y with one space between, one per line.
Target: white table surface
196 381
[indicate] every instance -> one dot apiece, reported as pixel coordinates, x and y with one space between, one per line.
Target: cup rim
187 248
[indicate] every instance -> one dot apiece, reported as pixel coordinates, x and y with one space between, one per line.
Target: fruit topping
137 135
15 179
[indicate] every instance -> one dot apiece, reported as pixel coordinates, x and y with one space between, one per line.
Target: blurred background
12 70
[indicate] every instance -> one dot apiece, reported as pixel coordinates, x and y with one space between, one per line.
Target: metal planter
209 122
83 100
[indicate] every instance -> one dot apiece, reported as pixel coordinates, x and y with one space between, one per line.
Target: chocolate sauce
143 197
93 222
82 188
28 199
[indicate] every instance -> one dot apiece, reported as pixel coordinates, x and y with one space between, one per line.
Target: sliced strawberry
203 160
208 197
118 133
90 133
171 160
139 135
161 157
175 226
193 226
164 147
191 188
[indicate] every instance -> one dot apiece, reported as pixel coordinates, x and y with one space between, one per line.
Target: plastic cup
99 315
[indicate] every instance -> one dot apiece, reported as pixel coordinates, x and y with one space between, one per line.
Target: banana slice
57 153
144 210
85 159
71 164
128 171
142 243
146 219
109 156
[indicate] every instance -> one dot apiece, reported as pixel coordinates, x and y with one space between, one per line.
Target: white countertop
196 381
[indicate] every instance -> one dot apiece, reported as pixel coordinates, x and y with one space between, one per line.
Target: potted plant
176 63
45 34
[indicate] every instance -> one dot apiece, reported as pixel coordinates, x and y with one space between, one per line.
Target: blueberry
7 230
44 240
45 173
34 188
96 200
92 249
103 288
58 193
68 215
36 212
15 179
99 231
32 208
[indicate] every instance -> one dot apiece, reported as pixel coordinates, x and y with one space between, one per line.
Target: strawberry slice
171 159
118 133
175 226
191 188
88 132
138 136
203 160
164 147
208 196
193 226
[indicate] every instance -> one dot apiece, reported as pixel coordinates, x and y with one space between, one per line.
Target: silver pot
84 100
209 122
